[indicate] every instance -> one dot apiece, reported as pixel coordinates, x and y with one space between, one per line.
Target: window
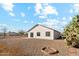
31 34
38 33
47 33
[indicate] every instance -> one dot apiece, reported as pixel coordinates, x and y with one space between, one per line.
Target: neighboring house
43 32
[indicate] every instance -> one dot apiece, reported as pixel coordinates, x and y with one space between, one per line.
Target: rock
49 50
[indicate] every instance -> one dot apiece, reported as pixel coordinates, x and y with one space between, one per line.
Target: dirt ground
32 47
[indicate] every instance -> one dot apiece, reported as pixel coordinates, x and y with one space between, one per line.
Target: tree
71 32
21 32
4 31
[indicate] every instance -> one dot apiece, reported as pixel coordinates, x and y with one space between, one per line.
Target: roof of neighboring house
42 26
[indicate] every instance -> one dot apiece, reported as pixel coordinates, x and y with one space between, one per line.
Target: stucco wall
56 34
42 31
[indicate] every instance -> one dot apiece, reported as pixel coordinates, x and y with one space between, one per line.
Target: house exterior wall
42 31
56 34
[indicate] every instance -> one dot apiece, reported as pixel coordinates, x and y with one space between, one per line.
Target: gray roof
42 26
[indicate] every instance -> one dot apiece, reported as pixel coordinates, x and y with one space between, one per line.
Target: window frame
38 34
31 34
47 34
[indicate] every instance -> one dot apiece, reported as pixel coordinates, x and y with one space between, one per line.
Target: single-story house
43 32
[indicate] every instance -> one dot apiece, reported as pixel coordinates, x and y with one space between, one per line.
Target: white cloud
3 25
8 27
45 9
50 23
25 21
11 14
22 14
71 11
16 20
8 6
38 8
64 18
28 8
70 18
76 7
42 16
64 23
32 21
12 28
55 24
77 4
50 10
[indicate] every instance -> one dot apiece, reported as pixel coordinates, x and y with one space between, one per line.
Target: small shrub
71 32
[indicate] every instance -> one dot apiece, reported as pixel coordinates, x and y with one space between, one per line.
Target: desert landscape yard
39 29
32 47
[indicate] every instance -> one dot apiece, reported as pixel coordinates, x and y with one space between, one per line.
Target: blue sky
23 16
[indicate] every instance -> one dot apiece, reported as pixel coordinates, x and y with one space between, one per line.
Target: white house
43 32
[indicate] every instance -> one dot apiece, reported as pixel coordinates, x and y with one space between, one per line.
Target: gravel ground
32 47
